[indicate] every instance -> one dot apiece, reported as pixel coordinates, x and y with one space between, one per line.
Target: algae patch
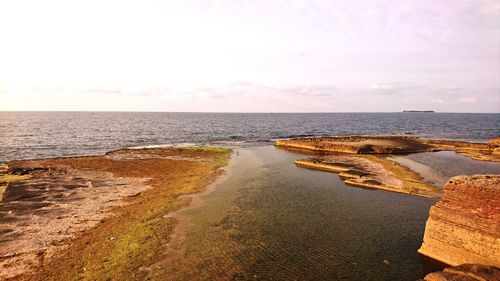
9 178
206 148
5 179
2 190
134 233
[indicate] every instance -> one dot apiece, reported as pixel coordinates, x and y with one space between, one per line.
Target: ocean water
47 134
270 220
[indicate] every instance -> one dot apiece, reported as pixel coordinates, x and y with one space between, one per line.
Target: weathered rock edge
392 145
464 226
466 272
360 178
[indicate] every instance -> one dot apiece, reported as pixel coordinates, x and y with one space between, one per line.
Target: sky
250 56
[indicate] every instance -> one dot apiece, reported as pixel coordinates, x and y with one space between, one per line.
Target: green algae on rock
100 217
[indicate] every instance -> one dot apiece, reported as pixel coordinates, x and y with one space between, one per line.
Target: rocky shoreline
463 230
96 217
107 216
489 151
364 161
464 226
466 272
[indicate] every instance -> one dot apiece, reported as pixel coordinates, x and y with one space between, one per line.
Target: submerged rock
495 141
466 272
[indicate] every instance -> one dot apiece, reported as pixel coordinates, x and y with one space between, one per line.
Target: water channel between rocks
269 220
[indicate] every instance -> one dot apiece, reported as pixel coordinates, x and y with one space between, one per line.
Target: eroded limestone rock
358 144
489 151
372 172
466 272
464 226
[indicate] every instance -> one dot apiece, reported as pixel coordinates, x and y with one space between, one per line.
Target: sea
268 219
26 135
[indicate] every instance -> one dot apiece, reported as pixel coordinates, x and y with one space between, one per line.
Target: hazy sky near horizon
250 56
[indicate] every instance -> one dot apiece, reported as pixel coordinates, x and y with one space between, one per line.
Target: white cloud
382 87
468 100
437 101
116 52
391 88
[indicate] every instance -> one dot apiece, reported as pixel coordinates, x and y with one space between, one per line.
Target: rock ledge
464 226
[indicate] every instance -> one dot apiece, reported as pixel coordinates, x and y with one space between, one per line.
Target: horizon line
242 112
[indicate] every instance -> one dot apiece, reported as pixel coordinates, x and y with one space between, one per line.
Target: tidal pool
438 167
269 220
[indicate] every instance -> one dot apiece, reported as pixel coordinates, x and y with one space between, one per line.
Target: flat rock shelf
96 217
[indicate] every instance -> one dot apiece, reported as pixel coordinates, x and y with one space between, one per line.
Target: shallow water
438 167
272 220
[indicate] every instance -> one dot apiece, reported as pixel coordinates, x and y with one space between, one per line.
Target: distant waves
47 134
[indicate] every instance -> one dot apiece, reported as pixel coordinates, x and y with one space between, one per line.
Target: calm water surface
438 167
273 221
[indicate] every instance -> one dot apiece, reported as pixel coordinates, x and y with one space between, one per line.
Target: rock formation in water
495 141
466 272
464 226
489 151
372 172
352 157
358 144
393 145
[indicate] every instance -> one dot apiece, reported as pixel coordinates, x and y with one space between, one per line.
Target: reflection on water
271 220
438 167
